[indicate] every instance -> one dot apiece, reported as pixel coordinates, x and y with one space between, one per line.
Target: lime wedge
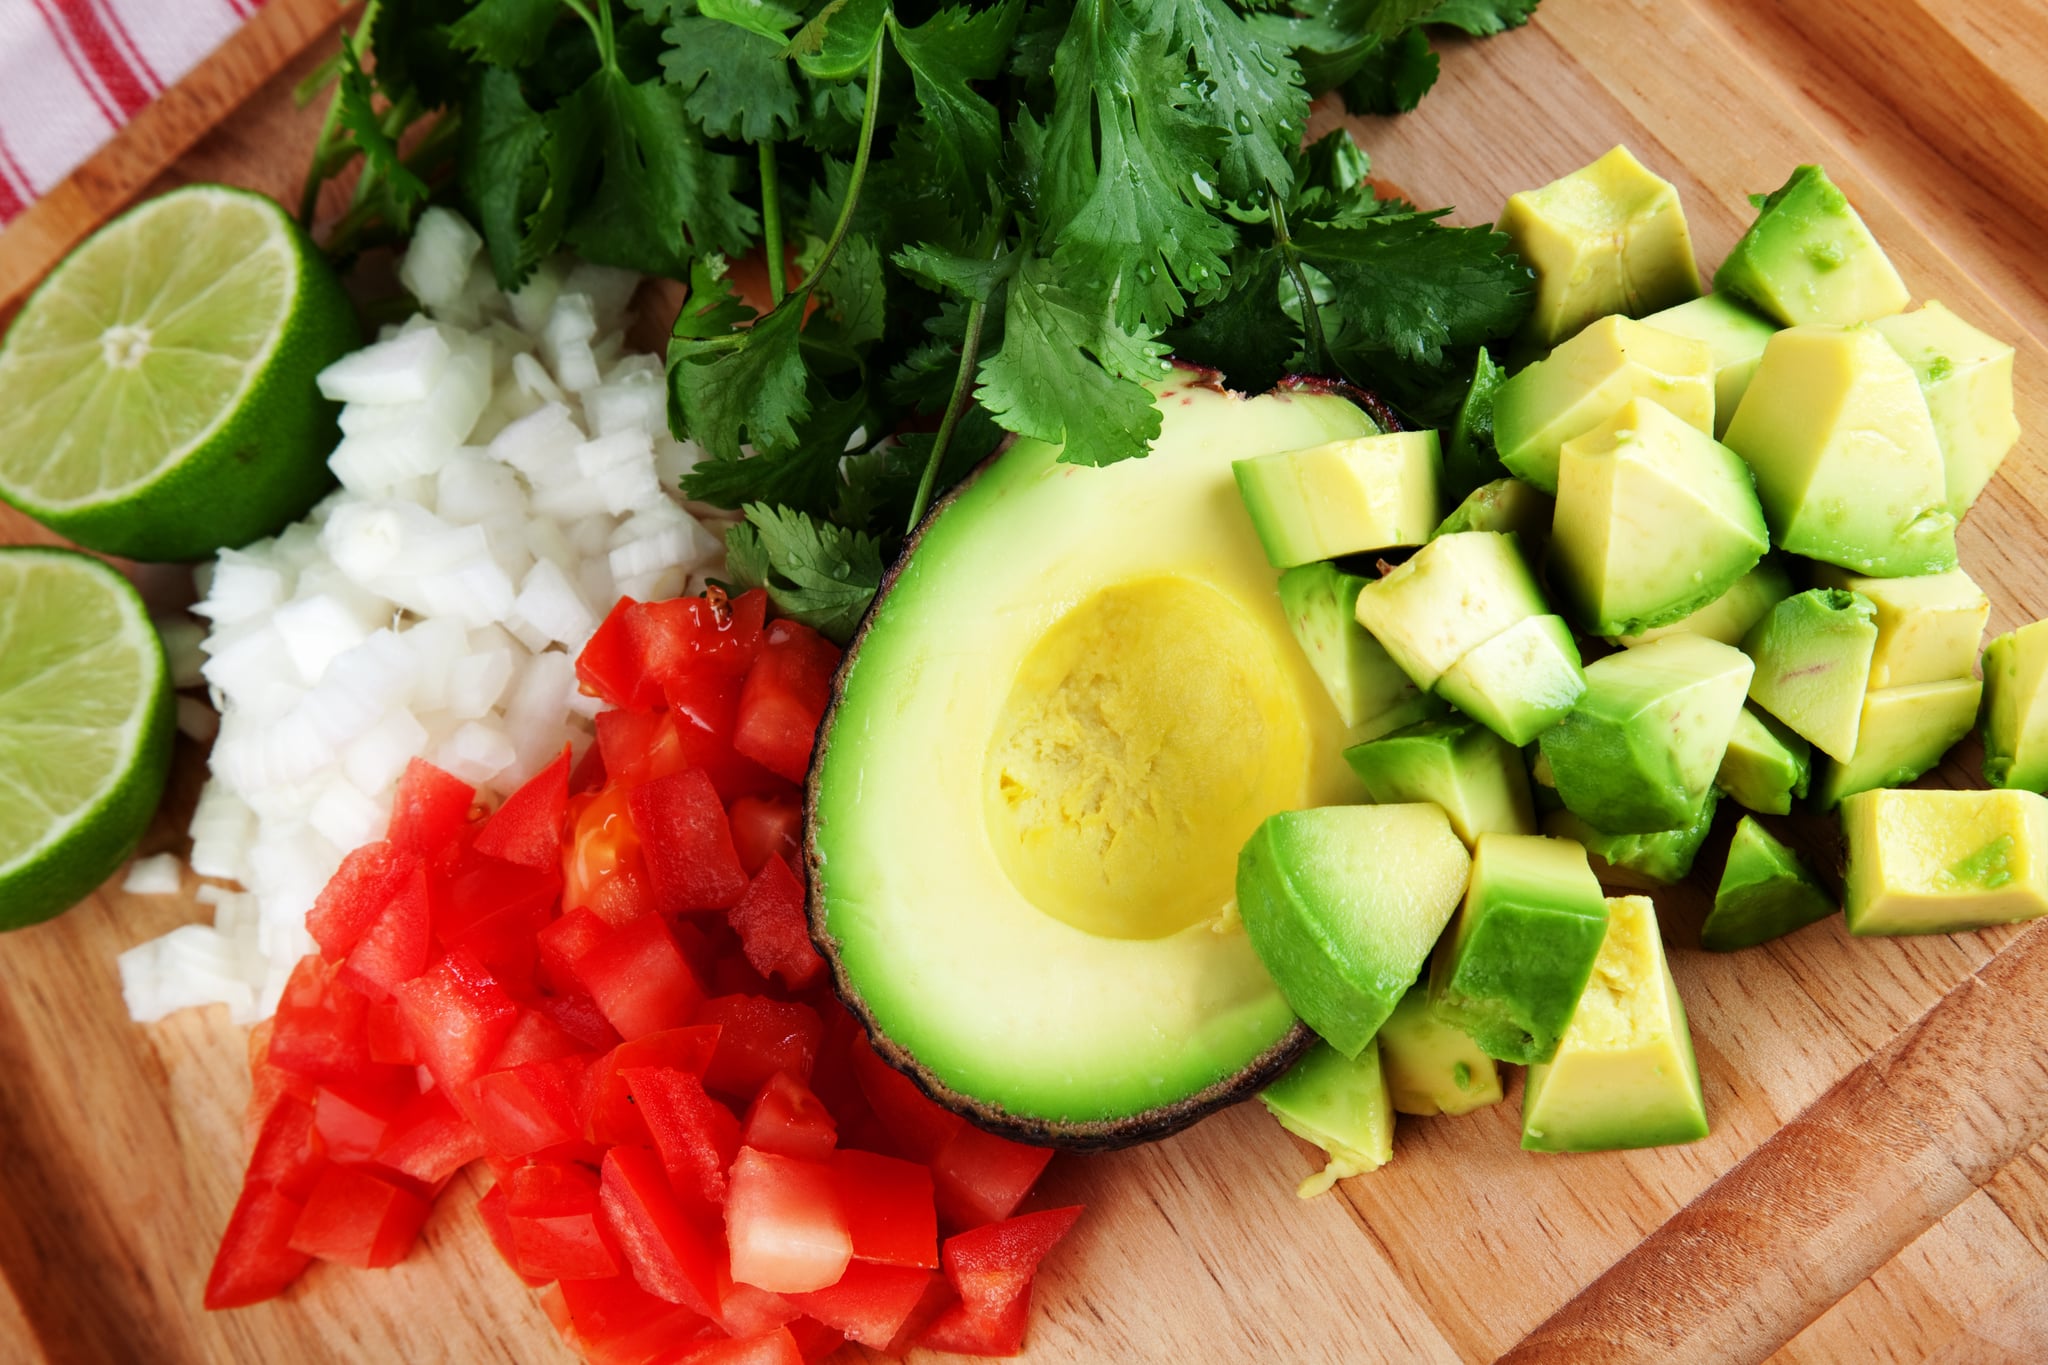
85 728
157 393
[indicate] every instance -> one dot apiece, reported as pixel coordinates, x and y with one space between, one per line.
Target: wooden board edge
110 178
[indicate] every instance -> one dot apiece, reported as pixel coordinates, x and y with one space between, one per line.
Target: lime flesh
85 728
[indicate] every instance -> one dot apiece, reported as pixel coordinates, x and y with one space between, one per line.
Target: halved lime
156 393
85 728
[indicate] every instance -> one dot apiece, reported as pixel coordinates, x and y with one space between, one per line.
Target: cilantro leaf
950 272
1408 286
840 38
852 299
1394 76
957 129
1483 18
1331 184
506 33
746 385
355 109
1469 458
1332 39
764 17
735 81
501 170
803 473
1253 94
1246 334
816 573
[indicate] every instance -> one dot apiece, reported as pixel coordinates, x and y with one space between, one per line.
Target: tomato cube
888 1207
639 979
785 698
991 1268
577 1015
606 871
870 1303
495 1210
687 843
639 746
269 1084
354 1115
256 1260
320 1032
814 1338
788 1120
919 1126
358 1219
528 828
783 1224
394 949
765 827
368 880
705 704
535 1038
389 1043
530 1108
430 810
480 890
552 1214
610 664
759 1037
289 1153
773 929
771 1348
981 1178
615 1322
612 1118
696 1135
458 1016
563 944
429 1141
671 1256
749 1312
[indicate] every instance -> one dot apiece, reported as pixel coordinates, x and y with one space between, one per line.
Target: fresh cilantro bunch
972 220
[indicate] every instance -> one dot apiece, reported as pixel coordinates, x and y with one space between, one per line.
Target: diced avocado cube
1340 1104
1812 655
1767 765
1608 238
1928 628
1966 377
1521 682
1343 904
1504 505
1469 458
2016 709
1639 752
1581 384
1728 617
1942 862
1510 970
1766 892
1453 594
1431 1067
1734 332
1809 258
1655 520
1344 497
1904 732
1847 463
1641 861
1624 1075
1370 691
1457 763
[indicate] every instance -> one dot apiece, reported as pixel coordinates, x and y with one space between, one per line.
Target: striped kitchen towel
72 72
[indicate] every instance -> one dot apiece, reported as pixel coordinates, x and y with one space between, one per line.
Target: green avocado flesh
1341 1104
1456 763
1767 766
1074 702
1431 1067
1766 892
2016 709
1642 861
1812 654
1371 693
1809 258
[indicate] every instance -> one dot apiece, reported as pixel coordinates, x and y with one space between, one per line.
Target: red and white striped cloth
72 72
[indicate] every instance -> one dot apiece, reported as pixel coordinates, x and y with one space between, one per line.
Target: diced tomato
268 1084
888 1207
687 843
748 1311
554 1224
981 1178
496 1212
785 698
256 1260
545 1189
429 1141
783 1224
814 1338
481 889
991 1268
611 665
563 944
531 1108
289 1151
696 1135
639 979
833 1079
612 1116
588 775
788 1120
430 810
671 1257
321 1029
765 827
355 897
639 746
772 1348
870 1303
535 1038
615 1322
353 1115
760 1037
358 1219
921 1128
687 633
773 928
528 828
705 704
606 872
963 1332
394 949
458 1016
578 1016
389 1043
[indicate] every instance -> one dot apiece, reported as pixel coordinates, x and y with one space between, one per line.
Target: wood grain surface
1876 1184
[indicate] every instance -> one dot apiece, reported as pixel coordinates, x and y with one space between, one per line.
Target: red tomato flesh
783 1224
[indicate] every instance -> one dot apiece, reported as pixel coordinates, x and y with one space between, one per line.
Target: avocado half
1074 698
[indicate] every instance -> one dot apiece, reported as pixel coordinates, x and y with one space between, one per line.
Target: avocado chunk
1431 1067
1812 657
1504 505
1608 238
1735 334
1581 384
1371 693
1456 763
1728 617
1343 497
1024 870
1510 970
1766 892
2016 709
1767 765
1343 904
1904 732
1655 520
1943 862
1847 464
1521 682
1452 595
1340 1104
1809 258
1966 377
1639 752
1624 1075
1641 861
1928 628
1469 458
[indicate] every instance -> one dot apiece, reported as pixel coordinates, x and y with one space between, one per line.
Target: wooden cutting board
1876 1185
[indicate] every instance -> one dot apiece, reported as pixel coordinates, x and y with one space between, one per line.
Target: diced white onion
158 875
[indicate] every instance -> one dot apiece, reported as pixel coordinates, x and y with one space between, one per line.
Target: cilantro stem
956 408
600 29
771 223
323 147
1311 316
868 117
